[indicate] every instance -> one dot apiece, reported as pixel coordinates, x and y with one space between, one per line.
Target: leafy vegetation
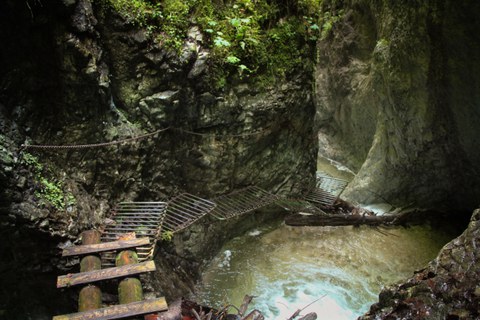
245 36
167 236
49 191
328 20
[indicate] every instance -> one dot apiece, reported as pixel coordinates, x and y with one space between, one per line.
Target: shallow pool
340 270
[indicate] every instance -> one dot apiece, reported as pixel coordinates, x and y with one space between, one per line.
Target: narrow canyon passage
338 270
145 100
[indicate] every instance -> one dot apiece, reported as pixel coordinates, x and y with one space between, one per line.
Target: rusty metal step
184 210
241 201
142 218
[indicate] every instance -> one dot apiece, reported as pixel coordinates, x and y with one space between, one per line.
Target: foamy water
340 269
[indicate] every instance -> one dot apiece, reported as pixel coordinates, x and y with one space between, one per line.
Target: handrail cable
132 139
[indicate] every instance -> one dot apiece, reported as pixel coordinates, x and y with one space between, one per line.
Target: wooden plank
119 311
106 246
104 274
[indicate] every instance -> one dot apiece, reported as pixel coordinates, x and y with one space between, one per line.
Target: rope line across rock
133 139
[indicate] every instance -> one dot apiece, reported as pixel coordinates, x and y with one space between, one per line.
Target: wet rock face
108 80
447 289
396 101
71 74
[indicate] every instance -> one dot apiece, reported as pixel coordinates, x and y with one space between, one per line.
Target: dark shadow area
28 276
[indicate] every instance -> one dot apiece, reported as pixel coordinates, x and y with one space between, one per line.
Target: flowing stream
289 267
339 270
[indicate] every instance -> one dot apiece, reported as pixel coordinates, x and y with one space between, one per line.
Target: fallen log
342 220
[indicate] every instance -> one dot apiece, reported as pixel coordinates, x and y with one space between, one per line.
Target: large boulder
447 289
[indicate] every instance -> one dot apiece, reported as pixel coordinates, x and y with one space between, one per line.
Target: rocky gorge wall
397 101
72 73
396 90
100 81
395 93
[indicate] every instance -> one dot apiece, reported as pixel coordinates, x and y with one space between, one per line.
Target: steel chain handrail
93 145
111 143
221 135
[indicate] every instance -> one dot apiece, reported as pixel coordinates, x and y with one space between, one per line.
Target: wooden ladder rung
119 311
106 246
104 274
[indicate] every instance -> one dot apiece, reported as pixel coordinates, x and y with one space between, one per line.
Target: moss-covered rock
446 289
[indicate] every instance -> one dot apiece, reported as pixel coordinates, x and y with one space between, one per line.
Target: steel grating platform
298 205
241 201
326 190
320 197
142 218
332 185
323 194
184 210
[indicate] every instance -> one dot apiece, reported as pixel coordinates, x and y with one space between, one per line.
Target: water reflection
290 267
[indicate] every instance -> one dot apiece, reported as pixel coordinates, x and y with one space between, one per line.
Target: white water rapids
289 267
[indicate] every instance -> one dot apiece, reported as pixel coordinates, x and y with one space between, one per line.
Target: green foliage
254 37
32 161
310 7
235 32
245 36
232 60
382 43
175 22
139 12
328 21
49 191
286 46
220 42
167 236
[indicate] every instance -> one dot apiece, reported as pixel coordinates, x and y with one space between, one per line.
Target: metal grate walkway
146 219
299 205
143 218
326 190
320 197
241 201
332 185
184 210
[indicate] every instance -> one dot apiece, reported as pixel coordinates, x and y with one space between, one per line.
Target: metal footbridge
154 219
132 232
